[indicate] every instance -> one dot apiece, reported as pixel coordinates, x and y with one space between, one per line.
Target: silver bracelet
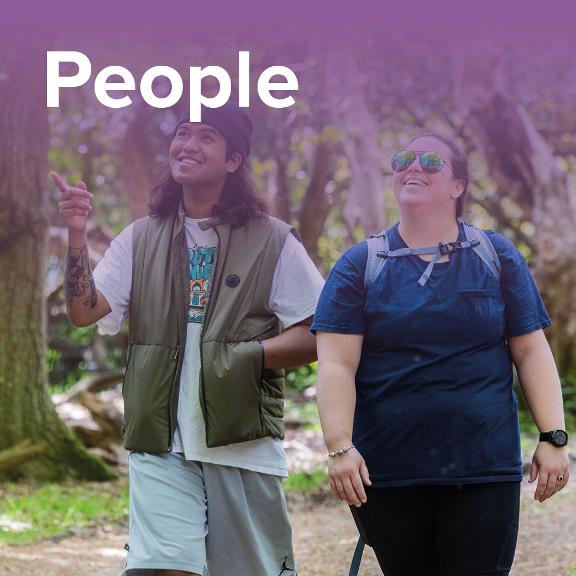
340 451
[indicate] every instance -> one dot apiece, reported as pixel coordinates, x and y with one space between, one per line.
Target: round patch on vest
232 281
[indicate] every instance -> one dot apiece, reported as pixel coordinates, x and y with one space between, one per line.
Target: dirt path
324 542
546 545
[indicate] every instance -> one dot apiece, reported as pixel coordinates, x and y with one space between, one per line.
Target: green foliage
116 357
569 395
59 380
529 442
29 514
53 357
329 250
84 145
527 424
298 379
304 413
71 351
79 336
306 482
65 370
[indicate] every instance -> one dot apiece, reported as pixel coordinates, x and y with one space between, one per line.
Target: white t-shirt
296 287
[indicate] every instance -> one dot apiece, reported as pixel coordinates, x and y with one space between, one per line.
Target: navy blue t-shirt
434 398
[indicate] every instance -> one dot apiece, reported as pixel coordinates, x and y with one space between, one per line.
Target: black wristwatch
557 438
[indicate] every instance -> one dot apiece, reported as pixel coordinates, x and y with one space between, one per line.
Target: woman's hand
549 464
348 475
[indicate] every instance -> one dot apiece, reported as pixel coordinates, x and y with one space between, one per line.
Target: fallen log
93 410
93 384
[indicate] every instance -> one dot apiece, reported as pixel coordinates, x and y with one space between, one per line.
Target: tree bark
346 92
522 165
138 162
26 411
315 206
281 200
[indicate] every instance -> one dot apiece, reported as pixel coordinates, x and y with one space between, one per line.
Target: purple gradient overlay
323 19
190 33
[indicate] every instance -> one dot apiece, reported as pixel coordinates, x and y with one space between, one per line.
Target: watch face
559 438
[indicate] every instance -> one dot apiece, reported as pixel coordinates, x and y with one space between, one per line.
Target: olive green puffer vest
240 399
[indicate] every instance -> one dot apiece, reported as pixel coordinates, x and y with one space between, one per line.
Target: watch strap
550 437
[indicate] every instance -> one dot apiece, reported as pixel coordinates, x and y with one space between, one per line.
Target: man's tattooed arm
79 282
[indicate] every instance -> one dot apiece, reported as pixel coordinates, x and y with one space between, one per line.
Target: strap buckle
451 247
448 248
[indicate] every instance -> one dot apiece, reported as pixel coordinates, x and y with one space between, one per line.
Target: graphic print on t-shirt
201 263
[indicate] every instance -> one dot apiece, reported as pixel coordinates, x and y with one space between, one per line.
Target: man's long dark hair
239 201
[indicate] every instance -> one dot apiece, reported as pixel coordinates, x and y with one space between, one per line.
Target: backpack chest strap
439 252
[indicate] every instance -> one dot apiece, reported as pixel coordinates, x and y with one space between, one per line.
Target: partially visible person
417 337
219 297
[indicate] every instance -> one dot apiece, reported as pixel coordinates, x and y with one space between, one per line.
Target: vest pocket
481 313
273 393
146 390
232 373
272 403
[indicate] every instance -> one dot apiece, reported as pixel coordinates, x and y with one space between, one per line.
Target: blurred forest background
323 165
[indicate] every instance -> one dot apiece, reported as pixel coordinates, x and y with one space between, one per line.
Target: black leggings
468 530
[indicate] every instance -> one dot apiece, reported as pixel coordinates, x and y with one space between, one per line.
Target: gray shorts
206 519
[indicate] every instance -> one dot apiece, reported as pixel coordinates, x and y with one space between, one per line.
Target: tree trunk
282 189
522 165
315 206
346 92
14 457
138 162
26 411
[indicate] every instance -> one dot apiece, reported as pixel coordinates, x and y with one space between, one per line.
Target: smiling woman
417 331
435 155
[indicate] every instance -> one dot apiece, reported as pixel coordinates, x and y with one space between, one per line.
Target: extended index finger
59 181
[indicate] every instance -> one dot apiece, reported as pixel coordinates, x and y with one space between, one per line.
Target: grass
305 413
32 513
306 482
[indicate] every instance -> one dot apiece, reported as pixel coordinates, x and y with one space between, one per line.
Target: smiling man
218 295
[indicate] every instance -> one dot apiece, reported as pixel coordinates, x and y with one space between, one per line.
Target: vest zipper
171 389
176 380
217 269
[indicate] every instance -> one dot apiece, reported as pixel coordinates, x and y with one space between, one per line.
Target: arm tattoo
79 282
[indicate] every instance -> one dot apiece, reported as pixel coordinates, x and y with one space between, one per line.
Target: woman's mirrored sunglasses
431 162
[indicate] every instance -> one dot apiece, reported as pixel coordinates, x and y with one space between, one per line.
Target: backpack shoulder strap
484 249
376 243
357 558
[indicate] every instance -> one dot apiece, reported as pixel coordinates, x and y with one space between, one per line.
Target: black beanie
231 121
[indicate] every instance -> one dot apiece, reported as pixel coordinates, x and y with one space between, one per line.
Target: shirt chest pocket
481 314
